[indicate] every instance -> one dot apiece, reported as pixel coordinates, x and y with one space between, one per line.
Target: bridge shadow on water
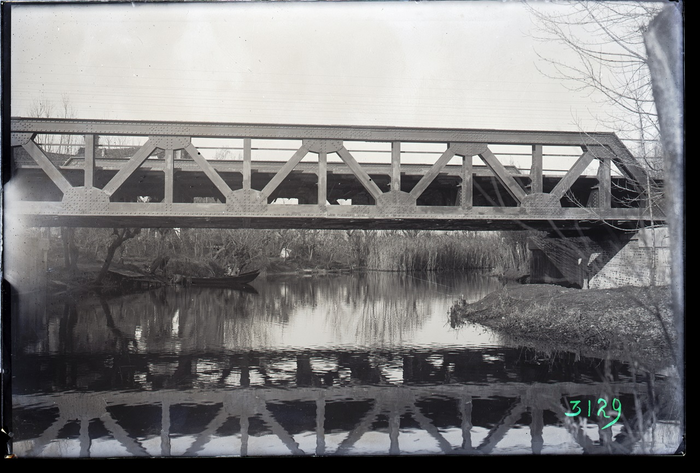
197 372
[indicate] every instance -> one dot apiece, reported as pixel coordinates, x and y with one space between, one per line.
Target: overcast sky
462 64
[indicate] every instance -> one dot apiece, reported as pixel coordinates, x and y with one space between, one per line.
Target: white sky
462 64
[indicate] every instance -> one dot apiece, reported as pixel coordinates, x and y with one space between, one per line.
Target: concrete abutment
602 259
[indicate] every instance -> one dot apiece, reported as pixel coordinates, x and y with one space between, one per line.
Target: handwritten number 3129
576 410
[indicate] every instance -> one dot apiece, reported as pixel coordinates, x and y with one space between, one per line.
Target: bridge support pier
601 259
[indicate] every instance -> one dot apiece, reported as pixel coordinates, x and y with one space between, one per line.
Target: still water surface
361 364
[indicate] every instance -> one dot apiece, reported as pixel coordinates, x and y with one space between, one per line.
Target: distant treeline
242 249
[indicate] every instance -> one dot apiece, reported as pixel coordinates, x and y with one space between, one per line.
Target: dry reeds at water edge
395 250
193 251
454 251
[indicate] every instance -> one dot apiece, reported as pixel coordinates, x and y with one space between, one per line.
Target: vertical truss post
536 428
89 171
169 175
394 430
320 423
604 186
322 178
536 170
466 197
466 412
247 157
396 166
85 441
245 434
165 429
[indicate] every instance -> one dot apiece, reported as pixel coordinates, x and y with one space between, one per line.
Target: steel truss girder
300 132
392 208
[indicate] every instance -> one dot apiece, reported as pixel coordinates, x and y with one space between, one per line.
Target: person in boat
159 264
232 270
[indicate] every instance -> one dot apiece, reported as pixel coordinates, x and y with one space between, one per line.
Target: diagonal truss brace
503 175
210 172
433 172
285 170
360 173
136 160
48 167
572 175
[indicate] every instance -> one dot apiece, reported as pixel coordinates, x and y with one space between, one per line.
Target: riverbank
627 323
61 280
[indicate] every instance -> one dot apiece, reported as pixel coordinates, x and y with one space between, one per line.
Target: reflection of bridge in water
235 416
470 402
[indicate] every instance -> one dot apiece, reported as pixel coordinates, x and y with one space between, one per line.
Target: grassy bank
629 323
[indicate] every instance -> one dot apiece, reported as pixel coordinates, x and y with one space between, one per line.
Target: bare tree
71 252
664 42
119 236
43 108
609 58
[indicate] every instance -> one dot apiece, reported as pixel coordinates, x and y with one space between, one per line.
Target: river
335 364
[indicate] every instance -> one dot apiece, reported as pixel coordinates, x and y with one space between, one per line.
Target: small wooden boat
226 281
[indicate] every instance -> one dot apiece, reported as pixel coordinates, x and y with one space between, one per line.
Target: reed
447 251
396 250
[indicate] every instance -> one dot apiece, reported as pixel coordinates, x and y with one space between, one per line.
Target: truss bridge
107 173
